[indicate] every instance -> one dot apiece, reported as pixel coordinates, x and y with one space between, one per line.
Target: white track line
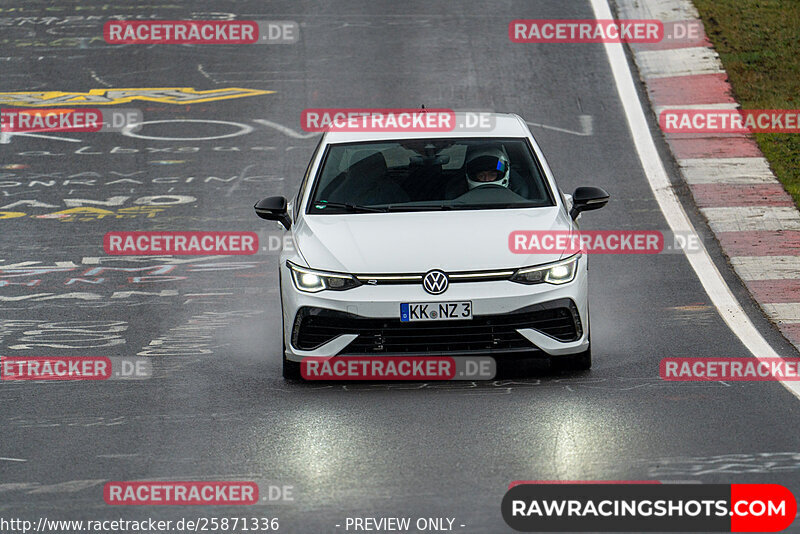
719 292
587 126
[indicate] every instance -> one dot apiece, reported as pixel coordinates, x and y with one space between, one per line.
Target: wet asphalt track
220 410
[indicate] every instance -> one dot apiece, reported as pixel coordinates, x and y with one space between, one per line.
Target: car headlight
555 273
314 281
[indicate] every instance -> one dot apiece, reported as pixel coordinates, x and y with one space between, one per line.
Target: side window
303 184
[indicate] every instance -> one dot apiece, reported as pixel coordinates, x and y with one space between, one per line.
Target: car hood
416 242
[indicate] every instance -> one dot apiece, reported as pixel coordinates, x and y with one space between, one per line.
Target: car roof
502 125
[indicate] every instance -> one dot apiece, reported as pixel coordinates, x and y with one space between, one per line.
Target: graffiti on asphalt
127 280
108 97
78 210
36 334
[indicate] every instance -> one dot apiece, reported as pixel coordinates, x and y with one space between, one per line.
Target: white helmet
487 158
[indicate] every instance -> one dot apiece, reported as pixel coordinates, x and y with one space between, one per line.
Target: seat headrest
371 166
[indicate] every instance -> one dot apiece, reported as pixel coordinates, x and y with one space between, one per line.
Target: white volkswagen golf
401 247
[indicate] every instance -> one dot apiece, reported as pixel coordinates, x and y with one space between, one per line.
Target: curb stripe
767 267
663 10
714 147
774 291
761 243
747 218
792 332
728 170
784 312
725 105
718 195
694 89
678 62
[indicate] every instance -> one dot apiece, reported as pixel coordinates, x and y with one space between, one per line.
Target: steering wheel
488 184
491 193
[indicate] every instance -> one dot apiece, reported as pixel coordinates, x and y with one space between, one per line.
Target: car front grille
314 327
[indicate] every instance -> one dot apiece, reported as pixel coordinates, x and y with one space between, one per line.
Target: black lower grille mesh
314 327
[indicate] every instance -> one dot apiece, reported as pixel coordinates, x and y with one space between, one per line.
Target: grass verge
759 44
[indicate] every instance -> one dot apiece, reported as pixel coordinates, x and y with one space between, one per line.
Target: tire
575 362
291 370
578 362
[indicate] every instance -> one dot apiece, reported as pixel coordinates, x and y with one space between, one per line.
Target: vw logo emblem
435 282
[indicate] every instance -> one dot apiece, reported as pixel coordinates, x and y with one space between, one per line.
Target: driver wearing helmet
487 166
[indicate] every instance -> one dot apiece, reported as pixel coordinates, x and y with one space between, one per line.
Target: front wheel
575 362
291 370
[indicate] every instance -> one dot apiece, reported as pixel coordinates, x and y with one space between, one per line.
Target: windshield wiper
349 207
505 205
418 207
455 205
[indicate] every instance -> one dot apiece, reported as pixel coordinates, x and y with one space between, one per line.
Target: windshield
429 174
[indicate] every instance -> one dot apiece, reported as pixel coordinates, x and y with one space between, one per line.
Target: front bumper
509 319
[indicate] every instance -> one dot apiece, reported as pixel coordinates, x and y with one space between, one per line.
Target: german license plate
435 311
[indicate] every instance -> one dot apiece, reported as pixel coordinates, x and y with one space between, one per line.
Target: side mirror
586 199
274 209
